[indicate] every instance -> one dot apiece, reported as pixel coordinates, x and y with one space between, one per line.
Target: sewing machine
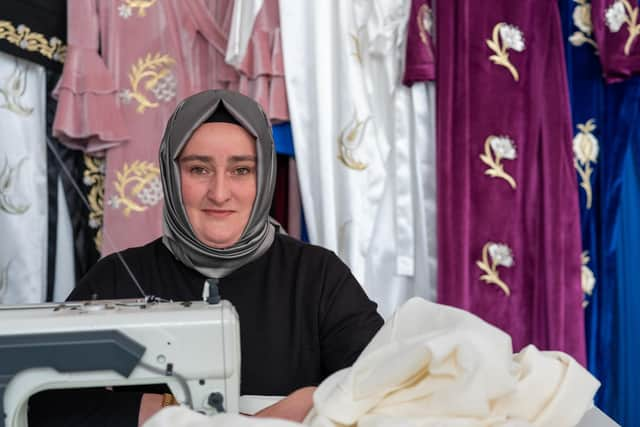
193 347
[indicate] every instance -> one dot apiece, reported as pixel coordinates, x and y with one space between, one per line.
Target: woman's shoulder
147 252
297 248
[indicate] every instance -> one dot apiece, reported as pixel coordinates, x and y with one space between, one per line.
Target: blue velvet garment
283 139
627 318
609 326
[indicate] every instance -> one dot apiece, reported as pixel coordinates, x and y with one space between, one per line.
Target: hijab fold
178 235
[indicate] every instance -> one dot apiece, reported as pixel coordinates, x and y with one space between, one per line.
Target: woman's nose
219 189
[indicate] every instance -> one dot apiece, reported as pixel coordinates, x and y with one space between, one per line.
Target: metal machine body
192 347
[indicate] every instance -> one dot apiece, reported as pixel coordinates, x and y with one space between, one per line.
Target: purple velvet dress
509 246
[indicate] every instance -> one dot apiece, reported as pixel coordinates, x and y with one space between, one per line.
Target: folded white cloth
436 366
433 365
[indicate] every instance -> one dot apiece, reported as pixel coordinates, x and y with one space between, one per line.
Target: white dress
364 143
23 182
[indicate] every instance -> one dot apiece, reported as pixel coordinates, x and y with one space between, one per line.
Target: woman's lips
217 213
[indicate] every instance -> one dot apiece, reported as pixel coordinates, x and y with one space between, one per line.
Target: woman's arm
294 407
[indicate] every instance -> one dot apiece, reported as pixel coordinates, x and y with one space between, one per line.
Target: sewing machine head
192 347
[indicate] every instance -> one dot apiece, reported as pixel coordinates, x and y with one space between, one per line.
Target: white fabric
242 20
23 182
65 280
433 365
376 219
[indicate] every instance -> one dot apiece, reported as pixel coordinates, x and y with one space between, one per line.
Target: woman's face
218 182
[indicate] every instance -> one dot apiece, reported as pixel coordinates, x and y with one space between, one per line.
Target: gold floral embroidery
500 256
33 42
138 181
158 79
425 23
4 281
503 148
621 12
8 177
13 90
587 278
585 149
505 37
94 177
126 9
356 46
349 141
582 20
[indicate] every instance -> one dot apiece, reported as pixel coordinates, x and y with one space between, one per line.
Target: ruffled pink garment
88 117
118 100
261 73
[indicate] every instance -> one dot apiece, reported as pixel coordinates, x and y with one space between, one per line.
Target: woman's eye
198 170
241 171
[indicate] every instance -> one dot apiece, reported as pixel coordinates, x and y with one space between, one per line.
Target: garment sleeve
87 117
348 318
618 46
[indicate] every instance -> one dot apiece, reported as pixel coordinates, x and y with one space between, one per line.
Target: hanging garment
627 327
420 58
127 92
64 177
243 18
35 30
23 182
508 217
357 131
604 117
616 30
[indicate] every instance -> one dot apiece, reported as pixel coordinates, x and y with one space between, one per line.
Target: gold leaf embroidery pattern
582 20
13 90
154 74
500 256
587 278
140 181
94 177
357 53
349 141
505 37
126 9
425 23
22 37
621 12
585 149
8 176
503 148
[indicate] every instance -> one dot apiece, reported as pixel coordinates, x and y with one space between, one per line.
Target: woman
302 314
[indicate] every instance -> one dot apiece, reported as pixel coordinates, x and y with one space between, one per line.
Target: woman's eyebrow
235 159
194 157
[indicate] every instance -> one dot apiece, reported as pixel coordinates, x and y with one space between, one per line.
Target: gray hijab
178 236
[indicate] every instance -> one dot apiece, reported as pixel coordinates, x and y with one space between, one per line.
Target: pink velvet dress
128 66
